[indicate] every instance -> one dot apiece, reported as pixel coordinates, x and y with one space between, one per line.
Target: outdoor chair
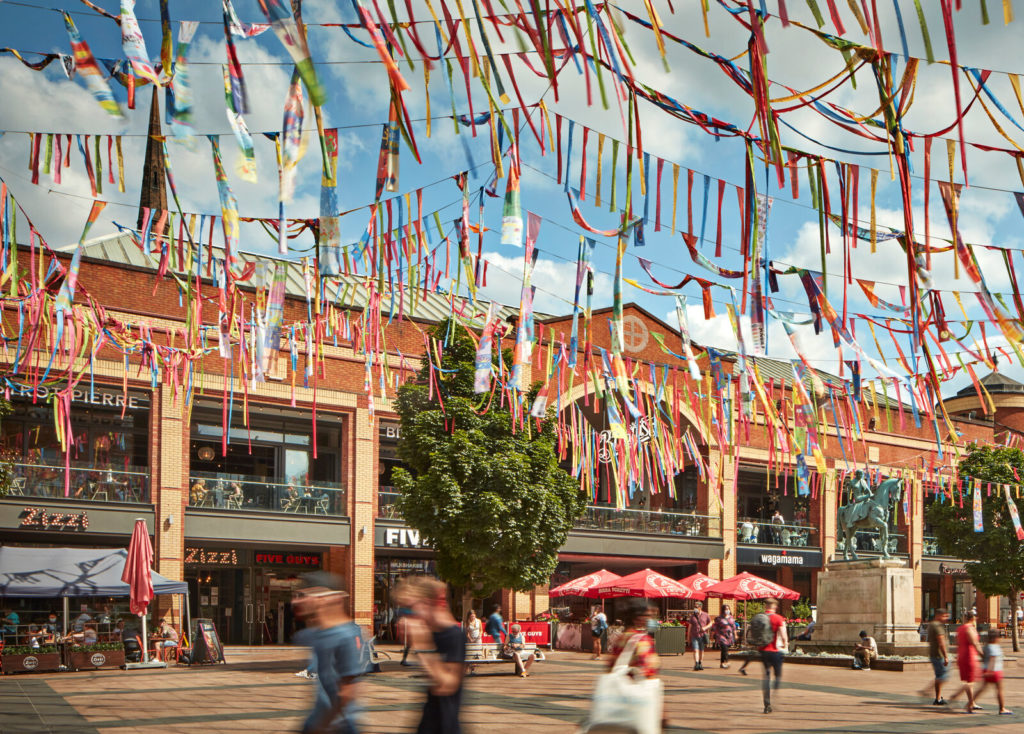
321 506
18 486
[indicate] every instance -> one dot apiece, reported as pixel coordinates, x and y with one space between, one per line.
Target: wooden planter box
90 660
670 640
31 663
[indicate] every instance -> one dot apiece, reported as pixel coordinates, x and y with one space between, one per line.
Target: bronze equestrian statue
868 510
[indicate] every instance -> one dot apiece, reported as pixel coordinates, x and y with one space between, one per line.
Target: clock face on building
634 333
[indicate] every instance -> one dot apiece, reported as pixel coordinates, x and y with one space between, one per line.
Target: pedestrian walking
724 632
993 666
339 652
699 623
433 628
768 633
495 627
598 629
643 661
968 647
938 654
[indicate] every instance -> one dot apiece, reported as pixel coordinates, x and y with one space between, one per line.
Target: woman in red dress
967 650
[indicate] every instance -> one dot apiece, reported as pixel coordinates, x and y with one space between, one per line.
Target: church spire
153 193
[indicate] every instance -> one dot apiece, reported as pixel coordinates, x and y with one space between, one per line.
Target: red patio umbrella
698 581
746 586
138 575
650 585
585 586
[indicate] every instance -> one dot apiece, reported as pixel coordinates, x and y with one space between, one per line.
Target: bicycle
376 656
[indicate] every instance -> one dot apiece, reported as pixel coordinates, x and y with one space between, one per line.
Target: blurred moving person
724 632
431 627
768 632
644 662
993 674
339 653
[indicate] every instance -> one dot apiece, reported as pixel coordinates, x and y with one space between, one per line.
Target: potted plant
670 637
98 655
22 658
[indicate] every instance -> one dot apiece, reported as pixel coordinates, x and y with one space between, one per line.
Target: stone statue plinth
875 595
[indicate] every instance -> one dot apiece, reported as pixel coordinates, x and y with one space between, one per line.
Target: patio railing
212 491
386 503
870 541
88 483
595 517
764 532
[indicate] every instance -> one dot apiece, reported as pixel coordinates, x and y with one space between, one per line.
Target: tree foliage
6 456
488 495
995 557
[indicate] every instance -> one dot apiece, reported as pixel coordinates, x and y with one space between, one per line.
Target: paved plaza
257 691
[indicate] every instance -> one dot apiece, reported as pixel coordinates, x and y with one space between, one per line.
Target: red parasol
746 587
698 581
650 585
138 568
585 586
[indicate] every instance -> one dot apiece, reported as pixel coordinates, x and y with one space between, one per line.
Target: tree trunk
467 602
1014 601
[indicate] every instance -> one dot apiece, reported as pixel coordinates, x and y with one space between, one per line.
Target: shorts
940 668
699 643
993 676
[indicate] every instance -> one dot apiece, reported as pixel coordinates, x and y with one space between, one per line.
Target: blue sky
358 96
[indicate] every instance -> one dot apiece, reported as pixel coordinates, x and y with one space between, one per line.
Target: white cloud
555 282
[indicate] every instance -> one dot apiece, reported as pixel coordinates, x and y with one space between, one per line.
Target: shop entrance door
268 607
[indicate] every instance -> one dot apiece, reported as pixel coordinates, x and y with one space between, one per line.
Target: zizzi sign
403 538
778 557
38 518
204 557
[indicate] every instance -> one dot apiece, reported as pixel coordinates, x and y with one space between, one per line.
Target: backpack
760 632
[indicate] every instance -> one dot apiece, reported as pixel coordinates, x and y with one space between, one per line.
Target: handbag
619 700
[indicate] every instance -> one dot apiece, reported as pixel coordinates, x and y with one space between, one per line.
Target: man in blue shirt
495 626
338 649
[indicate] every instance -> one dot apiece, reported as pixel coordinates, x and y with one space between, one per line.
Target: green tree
6 457
995 557
487 494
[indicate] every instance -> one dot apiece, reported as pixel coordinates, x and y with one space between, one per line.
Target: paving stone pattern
257 691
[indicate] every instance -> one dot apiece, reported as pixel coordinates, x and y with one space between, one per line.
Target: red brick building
301 477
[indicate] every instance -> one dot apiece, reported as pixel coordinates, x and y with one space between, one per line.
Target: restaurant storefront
247 589
108 445
276 463
794 568
398 551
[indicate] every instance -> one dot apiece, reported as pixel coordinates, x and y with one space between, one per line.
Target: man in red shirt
773 652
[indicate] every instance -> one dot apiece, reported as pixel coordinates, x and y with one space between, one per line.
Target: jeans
723 651
771 661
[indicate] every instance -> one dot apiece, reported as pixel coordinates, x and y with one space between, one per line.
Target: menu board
206 645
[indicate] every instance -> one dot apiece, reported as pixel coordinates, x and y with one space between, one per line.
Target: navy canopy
54 572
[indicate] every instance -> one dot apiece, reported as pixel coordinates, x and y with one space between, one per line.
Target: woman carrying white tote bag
629 699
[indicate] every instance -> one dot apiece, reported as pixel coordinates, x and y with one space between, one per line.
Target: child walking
993 670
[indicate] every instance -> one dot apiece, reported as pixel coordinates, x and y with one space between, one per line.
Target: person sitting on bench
515 646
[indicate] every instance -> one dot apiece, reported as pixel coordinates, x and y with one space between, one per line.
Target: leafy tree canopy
995 556
487 494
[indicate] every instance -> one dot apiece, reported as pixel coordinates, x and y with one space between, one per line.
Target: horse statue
867 511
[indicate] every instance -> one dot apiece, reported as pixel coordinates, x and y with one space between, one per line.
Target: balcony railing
241 493
930 546
764 532
386 503
870 541
648 521
88 483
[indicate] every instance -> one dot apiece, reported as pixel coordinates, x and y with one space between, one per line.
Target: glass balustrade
386 499
764 532
81 481
237 492
870 541
930 546
649 521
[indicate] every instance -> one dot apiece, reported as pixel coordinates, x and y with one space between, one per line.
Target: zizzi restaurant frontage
247 590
